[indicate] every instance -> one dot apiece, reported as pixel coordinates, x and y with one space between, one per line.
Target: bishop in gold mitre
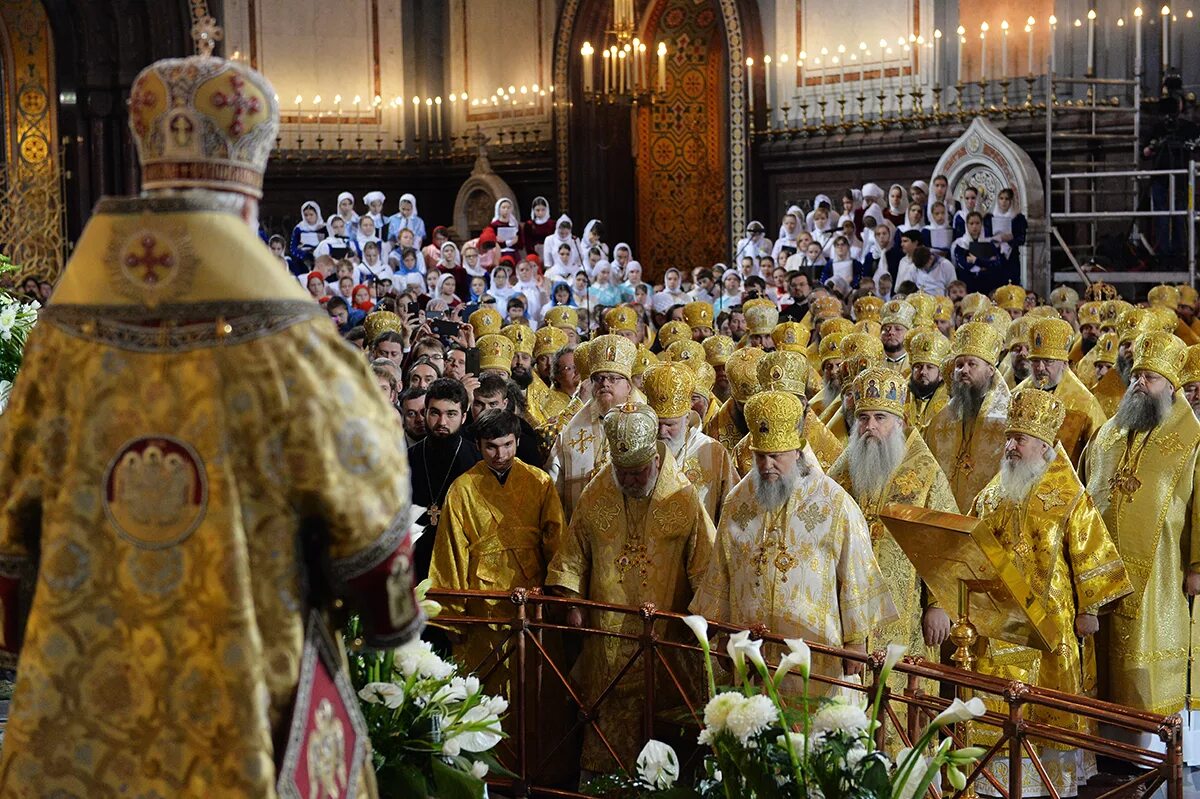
704 462
1143 471
884 463
793 551
967 436
859 352
169 511
1110 389
639 535
1040 513
927 392
1049 340
729 425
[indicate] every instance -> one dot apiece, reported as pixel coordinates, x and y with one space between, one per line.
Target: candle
801 59
586 51
882 54
416 101
317 116
749 75
1091 42
785 90
1137 42
621 72
983 29
1053 44
337 102
299 118
429 117
662 71
605 59
1029 46
1166 41
1003 49
937 57
438 102
767 76
912 60
642 66
862 65
962 41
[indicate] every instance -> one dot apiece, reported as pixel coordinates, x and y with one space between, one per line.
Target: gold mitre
1163 318
838 324
203 122
1035 413
496 352
831 347
548 340
521 337
612 354
775 419
1064 297
944 312
761 317
669 388
1106 348
879 388
791 336
486 322
380 322
1190 373
1088 314
718 348
706 376
868 307
685 351
973 304
1010 297
1159 352
672 332
583 362
978 339
742 370
1111 312
1050 339
1101 292
783 370
826 306
643 360
1043 312
1163 296
860 351
924 305
1187 295
621 318
897 312
928 346
632 433
698 314
1018 333
868 326
995 316
1133 323
561 316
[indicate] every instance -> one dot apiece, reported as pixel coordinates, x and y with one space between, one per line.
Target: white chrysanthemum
797 741
855 755
751 717
418 657
840 717
717 711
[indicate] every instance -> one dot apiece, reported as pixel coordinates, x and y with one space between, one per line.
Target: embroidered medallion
150 259
155 492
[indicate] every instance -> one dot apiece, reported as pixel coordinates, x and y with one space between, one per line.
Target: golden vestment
555 402
833 407
1006 371
1144 485
824 446
1076 353
709 468
805 571
579 452
918 413
1185 333
628 552
970 458
724 428
1059 542
1085 368
1084 414
1110 391
901 364
184 412
837 427
536 398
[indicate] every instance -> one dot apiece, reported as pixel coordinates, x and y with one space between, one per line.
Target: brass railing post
521 787
648 653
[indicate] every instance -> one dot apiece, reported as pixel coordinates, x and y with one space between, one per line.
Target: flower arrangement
16 320
432 730
760 746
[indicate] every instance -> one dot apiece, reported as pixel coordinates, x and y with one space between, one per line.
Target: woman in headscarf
506 221
593 237
842 263
559 260
603 290
447 287
731 292
595 257
852 209
501 287
409 268
450 263
407 219
432 252
374 201
897 205
579 290
1006 226
562 235
789 232
622 257
672 292
362 298
914 218
883 252
528 283
820 201
978 261
345 209
336 243
307 233
318 289
366 232
754 244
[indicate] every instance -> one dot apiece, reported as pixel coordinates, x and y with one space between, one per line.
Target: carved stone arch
985 159
477 198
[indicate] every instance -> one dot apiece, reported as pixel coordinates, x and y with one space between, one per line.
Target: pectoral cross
1125 482
964 463
435 513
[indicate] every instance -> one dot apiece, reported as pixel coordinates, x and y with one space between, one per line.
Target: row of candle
625 68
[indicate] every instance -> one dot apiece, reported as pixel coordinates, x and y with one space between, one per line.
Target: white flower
736 654
494 705
960 711
751 717
481 739
797 739
699 627
479 769
909 788
451 747
657 765
716 712
752 651
799 652
855 755
417 657
705 738
385 693
8 319
840 717
894 653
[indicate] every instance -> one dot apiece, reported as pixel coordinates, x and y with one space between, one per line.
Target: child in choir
939 236
307 234
1006 227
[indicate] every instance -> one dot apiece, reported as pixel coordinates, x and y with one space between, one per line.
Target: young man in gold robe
793 551
927 393
639 535
1040 513
967 436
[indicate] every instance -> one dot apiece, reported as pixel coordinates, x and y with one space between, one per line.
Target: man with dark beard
1088 318
536 392
1039 511
729 425
967 435
788 534
1110 390
546 342
1015 366
927 393
1105 353
896 319
1190 376
831 373
1142 471
881 465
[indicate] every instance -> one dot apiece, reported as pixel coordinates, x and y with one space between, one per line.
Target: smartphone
413 309
444 329
473 362
434 314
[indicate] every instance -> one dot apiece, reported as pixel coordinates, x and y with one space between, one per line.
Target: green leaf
875 776
404 780
450 783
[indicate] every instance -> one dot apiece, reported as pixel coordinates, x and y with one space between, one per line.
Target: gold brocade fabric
1144 486
579 452
1085 367
971 457
536 398
709 468
724 428
556 401
1058 540
804 571
819 442
1084 414
837 427
918 413
833 407
1110 391
628 552
174 454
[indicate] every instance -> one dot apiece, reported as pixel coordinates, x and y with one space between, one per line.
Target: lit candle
937 56
429 117
438 102
912 60
801 59
983 29
637 71
1003 49
317 117
882 54
1029 54
1166 41
586 51
962 42
1137 42
416 101
862 65
767 76
1091 42
662 71
642 65
621 72
337 102
1053 43
786 88
749 75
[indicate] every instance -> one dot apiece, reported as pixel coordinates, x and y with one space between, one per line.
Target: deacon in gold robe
523 374
580 450
194 463
717 350
640 535
793 551
729 425
1048 358
927 394
1040 513
703 461
1143 471
1015 366
1189 376
1097 363
1088 319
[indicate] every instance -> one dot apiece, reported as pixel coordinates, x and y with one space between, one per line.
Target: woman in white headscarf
622 257
345 209
407 219
810 220
336 243
789 232
558 262
307 233
501 285
506 221
897 205
447 286
562 235
535 229
593 236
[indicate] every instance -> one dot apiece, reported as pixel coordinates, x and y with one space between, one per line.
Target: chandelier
624 64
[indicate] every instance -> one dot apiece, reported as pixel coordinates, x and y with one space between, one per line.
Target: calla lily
894 653
737 655
786 664
801 654
699 627
753 652
960 711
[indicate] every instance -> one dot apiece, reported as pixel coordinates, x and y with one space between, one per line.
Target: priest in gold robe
194 463
1110 389
793 551
717 350
546 342
639 535
1189 376
831 376
524 374
1040 513
1143 471
729 425
1049 340
895 320
927 392
967 436
859 352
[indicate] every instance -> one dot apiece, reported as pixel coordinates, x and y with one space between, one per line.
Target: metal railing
525 620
